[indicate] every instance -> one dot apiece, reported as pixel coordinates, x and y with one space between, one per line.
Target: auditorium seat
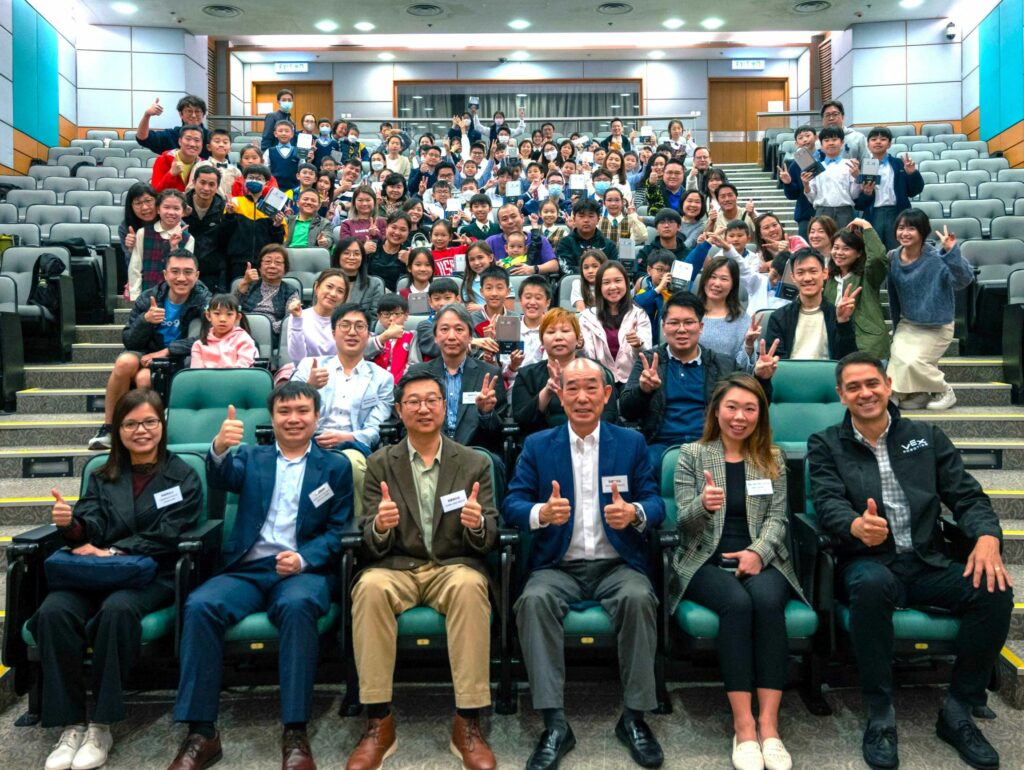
95 174
63 185
971 178
86 200
56 328
1007 192
199 399
306 265
946 194
983 209
39 173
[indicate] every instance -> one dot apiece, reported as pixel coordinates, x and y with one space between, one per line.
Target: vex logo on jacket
914 445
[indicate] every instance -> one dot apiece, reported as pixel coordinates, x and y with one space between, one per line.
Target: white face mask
354 138
499 121
376 165
551 154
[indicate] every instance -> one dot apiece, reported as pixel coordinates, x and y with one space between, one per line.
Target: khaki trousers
456 591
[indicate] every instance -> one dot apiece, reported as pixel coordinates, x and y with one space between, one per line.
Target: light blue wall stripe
34 69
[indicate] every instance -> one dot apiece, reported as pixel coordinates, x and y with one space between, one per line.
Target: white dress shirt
885 189
835 187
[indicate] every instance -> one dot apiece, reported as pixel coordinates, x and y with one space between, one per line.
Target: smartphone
787 286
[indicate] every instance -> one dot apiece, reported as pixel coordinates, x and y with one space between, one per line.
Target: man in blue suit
898 182
294 500
586 492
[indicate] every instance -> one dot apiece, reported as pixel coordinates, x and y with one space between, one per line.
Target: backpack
44 292
74 168
6 188
76 247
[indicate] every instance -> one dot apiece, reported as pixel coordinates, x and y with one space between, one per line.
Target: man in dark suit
429 523
586 492
294 500
879 484
475 398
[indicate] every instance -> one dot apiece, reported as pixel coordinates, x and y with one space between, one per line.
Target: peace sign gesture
784 176
486 399
649 379
767 362
908 164
947 239
554 383
750 339
845 306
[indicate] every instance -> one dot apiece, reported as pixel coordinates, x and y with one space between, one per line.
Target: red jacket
163 179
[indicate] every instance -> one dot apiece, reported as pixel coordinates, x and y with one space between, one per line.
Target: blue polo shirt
684 402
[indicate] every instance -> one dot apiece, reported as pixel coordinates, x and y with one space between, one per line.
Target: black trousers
66 624
752 642
875 590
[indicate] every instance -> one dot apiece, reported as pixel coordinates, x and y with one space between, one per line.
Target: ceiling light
417 97
625 94
405 109
365 26
326 25
521 96
712 22
386 56
125 8
673 23
519 55
615 106
428 109
656 55
519 24
911 3
222 11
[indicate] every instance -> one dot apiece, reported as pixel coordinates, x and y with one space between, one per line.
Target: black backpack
76 247
45 292
6 188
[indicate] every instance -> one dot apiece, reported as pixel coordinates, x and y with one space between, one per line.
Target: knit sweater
310 335
727 337
923 292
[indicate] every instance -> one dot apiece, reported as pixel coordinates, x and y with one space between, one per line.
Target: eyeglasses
831 114
149 425
675 323
347 326
178 272
431 402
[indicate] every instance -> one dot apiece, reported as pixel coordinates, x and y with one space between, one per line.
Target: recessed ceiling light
673 23
220 11
615 106
625 94
386 56
519 55
428 109
712 22
365 26
911 3
521 96
405 109
417 97
326 25
125 8
519 24
656 55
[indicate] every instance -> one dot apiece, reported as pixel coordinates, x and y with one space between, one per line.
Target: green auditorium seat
199 399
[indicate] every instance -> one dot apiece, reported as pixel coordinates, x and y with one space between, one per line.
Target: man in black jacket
813 328
878 485
205 213
585 215
191 110
669 388
156 328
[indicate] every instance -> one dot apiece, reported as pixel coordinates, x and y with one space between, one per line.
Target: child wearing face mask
154 244
246 229
351 148
282 158
250 156
323 145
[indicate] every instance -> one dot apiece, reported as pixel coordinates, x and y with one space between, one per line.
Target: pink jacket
595 341
236 350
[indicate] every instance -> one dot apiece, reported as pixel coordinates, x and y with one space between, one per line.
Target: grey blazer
700 530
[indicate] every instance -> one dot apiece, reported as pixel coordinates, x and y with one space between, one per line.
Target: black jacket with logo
844 474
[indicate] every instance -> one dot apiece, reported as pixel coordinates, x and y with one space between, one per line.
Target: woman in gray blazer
730 490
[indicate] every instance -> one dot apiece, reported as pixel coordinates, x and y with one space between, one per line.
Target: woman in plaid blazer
730 492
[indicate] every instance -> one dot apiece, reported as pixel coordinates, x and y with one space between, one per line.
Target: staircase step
99 333
1011 667
70 460
95 352
48 429
985 453
67 375
121 315
28 502
972 369
60 400
979 422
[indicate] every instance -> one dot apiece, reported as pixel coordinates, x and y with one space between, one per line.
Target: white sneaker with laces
747 755
775 755
94 750
63 753
942 402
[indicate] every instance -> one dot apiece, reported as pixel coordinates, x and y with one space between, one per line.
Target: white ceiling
488 16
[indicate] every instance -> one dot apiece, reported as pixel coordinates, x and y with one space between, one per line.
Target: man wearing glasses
191 110
669 388
856 147
356 394
156 328
428 523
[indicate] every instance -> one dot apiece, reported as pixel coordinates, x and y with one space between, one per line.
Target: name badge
454 501
682 271
622 482
759 487
321 495
469 397
460 263
168 497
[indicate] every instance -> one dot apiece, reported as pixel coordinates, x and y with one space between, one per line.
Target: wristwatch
641 517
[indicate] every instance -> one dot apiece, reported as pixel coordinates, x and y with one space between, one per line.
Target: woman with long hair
615 330
730 490
727 328
365 289
859 259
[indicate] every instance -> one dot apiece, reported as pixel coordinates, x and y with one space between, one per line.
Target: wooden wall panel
971 125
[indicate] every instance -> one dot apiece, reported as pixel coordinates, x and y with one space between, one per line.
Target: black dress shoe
640 741
552 746
969 742
880 747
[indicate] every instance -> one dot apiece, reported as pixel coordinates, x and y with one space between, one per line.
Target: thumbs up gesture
556 509
129 239
619 514
230 433
318 376
61 513
155 314
155 108
870 528
251 272
712 498
387 511
472 516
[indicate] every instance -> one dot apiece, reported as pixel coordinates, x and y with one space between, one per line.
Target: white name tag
454 501
759 487
460 263
321 495
513 189
622 482
469 397
304 141
168 497
682 271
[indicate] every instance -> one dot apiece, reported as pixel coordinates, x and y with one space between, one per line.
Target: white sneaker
93 752
747 755
63 753
775 755
942 402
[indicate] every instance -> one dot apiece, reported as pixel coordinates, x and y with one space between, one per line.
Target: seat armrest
508 537
264 435
352 536
510 427
262 363
35 540
204 538
390 431
808 530
959 543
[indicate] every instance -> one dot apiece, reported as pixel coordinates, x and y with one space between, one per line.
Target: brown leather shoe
377 744
469 745
197 752
295 751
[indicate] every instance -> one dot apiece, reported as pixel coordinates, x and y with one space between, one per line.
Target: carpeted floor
696 736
